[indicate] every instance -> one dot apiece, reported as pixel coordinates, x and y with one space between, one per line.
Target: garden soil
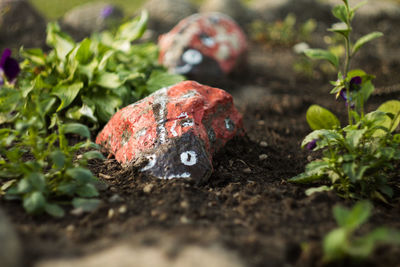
247 207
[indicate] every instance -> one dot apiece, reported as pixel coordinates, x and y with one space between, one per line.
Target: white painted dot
152 162
192 57
208 41
189 158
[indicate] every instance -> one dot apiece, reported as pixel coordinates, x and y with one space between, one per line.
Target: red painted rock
203 45
176 129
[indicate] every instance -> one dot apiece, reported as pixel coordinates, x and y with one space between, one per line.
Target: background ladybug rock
203 47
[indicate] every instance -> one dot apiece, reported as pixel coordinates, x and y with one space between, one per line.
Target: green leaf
159 79
83 54
76 128
93 155
87 190
318 189
67 93
322 54
108 80
321 118
333 244
315 170
54 210
366 38
37 180
340 28
34 203
359 214
24 186
58 158
341 215
353 137
134 29
81 174
340 12
392 107
35 55
356 7
86 204
62 43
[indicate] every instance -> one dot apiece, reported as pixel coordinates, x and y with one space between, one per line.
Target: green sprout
342 242
359 159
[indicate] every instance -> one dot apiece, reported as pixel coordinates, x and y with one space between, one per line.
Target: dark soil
247 206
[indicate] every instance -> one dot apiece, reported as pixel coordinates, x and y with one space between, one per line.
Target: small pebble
246 170
147 188
263 156
70 228
263 144
122 209
184 204
184 220
261 122
115 199
105 176
77 211
111 213
310 158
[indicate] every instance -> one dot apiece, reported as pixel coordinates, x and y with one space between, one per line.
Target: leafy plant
93 78
284 32
37 165
342 242
357 159
86 81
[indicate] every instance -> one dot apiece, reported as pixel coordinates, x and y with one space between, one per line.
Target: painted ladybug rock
203 46
176 130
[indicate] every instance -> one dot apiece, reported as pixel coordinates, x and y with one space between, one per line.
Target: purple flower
355 83
311 145
9 66
106 12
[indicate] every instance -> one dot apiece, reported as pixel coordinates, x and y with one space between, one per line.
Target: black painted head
196 66
181 157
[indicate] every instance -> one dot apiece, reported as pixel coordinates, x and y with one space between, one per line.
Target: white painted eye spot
189 158
208 41
152 162
192 57
229 125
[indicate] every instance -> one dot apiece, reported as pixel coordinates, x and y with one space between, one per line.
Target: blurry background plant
343 243
358 160
303 65
281 33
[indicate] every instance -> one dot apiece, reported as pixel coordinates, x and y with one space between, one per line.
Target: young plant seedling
358 159
342 242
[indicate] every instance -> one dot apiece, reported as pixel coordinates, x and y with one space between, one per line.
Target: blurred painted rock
10 252
203 46
176 130
85 19
21 25
233 8
164 14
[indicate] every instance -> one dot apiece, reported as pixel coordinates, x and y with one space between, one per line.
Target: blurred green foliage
55 9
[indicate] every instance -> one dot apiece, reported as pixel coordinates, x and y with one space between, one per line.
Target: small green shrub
359 159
